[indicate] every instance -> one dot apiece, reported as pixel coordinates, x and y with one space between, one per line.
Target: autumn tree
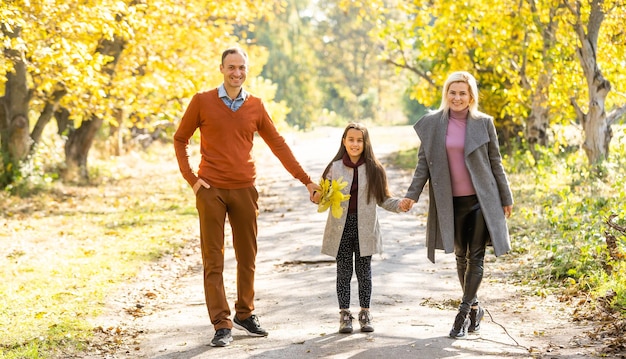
109 63
586 21
436 38
292 63
537 80
522 53
38 62
353 78
14 110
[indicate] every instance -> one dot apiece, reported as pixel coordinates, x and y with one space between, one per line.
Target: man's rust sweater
226 140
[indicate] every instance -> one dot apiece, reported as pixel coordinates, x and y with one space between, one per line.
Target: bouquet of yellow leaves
331 196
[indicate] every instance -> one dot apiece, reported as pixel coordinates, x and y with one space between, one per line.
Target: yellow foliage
332 197
510 46
170 50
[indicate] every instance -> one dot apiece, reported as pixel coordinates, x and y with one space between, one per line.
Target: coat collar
475 135
434 129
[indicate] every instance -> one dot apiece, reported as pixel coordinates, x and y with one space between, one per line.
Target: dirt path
162 314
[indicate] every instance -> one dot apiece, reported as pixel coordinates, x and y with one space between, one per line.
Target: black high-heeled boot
476 314
461 323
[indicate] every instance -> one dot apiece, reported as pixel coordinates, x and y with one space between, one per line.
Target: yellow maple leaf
331 196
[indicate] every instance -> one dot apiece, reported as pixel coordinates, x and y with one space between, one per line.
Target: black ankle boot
475 316
461 323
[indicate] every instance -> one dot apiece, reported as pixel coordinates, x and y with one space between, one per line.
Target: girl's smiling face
353 142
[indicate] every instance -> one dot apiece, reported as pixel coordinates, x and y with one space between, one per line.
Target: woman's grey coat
483 160
370 238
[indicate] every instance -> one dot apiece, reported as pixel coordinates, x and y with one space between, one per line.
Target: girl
354 237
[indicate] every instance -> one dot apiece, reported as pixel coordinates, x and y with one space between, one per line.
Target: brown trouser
213 205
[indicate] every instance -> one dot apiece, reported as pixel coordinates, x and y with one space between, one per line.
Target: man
228 118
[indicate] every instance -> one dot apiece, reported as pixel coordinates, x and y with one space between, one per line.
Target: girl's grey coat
483 160
370 238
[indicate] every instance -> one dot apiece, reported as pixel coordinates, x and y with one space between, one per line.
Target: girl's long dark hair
376 176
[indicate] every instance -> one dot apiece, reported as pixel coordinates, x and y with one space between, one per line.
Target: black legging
349 250
470 239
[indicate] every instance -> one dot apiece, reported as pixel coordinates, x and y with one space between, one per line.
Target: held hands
314 192
316 197
406 204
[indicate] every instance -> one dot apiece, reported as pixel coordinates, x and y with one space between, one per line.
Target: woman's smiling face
459 96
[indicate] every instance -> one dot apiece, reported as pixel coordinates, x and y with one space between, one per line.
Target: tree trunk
46 115
538 121
77 150
14 124
116 138
596 127
80 140
64 124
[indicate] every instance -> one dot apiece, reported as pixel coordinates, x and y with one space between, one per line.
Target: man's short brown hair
234 50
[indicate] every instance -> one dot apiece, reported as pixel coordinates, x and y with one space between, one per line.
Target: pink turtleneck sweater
455 148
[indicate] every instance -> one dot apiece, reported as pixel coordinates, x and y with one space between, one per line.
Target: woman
469 193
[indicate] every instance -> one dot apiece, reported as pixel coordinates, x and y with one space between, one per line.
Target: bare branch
415 70
580 115
615 113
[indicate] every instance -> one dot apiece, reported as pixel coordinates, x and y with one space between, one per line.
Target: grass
64 250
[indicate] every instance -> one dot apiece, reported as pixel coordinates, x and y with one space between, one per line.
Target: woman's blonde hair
465 77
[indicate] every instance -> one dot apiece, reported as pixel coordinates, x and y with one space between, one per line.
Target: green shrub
560 218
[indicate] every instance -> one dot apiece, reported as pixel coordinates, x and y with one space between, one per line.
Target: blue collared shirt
232 104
